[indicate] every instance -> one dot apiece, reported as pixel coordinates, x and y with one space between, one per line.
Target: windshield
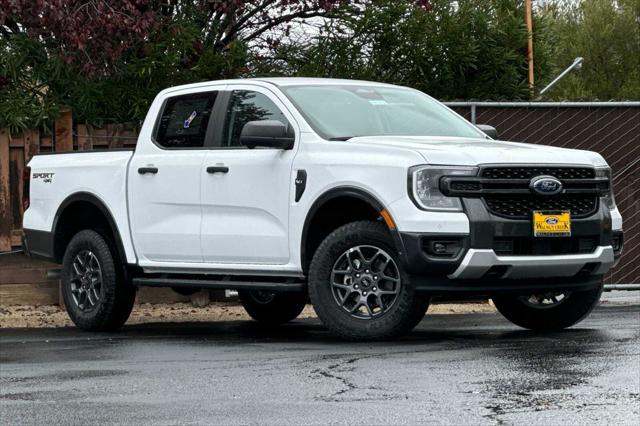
340 112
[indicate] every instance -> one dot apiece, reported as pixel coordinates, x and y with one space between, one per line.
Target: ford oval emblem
545 185
551 220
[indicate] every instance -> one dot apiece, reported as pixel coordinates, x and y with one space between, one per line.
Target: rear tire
95 294
358 287
271 308
549 311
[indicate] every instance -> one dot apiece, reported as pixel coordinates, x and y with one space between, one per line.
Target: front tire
270 308
358 288
96 296
549 311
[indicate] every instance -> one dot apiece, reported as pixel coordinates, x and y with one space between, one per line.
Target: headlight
425 186
607 199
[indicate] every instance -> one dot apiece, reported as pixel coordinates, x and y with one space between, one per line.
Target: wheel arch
357 198
100 220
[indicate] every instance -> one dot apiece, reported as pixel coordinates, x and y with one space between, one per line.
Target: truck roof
281 82
294 81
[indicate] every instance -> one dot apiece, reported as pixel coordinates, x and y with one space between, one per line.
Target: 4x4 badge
46 177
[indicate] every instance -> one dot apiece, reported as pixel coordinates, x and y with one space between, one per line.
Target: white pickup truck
367 199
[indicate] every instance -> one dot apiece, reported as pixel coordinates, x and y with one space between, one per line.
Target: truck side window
184 120
245 106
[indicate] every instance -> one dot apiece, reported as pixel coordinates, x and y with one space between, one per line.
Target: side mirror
268 134
488 130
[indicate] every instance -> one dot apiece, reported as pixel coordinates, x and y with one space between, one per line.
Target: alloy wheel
86 280
365 281
546 300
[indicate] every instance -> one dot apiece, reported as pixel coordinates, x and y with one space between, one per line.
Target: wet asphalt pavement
462 369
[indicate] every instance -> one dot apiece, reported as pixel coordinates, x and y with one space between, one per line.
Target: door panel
246 209
165 180
165 206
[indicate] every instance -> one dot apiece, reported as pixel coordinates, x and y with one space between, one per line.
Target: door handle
217 169
145 170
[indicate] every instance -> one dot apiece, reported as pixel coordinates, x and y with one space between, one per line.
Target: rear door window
184 121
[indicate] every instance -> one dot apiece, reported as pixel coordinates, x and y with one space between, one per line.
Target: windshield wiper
341 138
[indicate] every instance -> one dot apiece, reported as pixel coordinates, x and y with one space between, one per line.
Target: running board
220 284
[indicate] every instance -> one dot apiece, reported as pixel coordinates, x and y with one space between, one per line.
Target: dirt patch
54 316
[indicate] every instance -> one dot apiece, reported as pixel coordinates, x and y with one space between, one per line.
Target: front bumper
478 263
532 265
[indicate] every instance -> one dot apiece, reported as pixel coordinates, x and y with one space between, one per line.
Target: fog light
442 248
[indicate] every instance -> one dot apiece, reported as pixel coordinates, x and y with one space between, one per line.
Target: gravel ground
54 316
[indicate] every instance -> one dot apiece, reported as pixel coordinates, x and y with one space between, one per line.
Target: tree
108 59
607 34
89 35
48 47
469 49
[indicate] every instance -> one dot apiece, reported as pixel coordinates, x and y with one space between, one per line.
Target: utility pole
529 21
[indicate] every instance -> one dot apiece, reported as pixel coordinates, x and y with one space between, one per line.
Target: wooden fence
17 150
23 281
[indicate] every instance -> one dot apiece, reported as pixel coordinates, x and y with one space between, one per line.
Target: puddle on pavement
544 369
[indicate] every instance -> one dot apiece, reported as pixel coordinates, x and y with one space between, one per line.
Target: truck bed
55 177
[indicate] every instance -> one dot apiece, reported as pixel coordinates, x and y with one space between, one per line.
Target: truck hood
472 152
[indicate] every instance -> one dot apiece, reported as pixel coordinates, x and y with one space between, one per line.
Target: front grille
466 186
522 206
559 172
507 193
524 246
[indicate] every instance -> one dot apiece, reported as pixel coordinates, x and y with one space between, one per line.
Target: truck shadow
459 330
464 330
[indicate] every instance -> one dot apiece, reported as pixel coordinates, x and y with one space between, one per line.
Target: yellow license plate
546 224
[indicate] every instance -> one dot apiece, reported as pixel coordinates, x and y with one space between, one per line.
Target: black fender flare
101 206
344 191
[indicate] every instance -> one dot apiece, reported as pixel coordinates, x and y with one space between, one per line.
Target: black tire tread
119 296
283 308
576 308
407 312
